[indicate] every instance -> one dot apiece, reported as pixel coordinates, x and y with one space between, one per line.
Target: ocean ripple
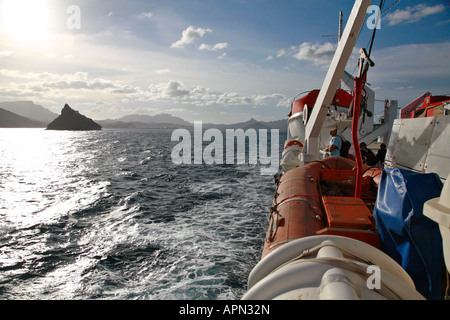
107 215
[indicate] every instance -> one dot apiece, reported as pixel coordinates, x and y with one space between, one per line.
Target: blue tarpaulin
410 238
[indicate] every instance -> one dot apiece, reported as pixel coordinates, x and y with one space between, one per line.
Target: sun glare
26 21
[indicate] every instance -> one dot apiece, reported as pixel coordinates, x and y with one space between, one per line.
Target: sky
216 61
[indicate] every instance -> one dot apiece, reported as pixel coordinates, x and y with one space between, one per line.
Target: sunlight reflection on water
107 215
40 174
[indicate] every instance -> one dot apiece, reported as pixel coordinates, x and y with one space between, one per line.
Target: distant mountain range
26 114
12 120
29 110
139 121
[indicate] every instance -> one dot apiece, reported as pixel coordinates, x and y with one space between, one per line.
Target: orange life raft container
317 199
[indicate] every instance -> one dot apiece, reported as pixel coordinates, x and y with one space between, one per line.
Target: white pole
332 79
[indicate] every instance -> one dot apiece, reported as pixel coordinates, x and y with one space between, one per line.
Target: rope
374 30
390 7
299 196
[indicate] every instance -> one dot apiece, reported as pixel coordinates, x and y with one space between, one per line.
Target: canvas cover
410 238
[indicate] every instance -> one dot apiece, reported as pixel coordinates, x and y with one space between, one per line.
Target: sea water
108 215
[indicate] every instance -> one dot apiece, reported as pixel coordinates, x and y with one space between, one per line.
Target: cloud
175 91
281 53
80 85
95 85
111 34
319 54
443 22
125 90
189 35
162 71
51 82
217 46
171 90
413 14
145 15
261 99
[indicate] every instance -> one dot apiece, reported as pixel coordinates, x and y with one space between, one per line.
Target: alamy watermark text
235 151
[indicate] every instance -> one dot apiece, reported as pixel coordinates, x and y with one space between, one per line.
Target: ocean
107 215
